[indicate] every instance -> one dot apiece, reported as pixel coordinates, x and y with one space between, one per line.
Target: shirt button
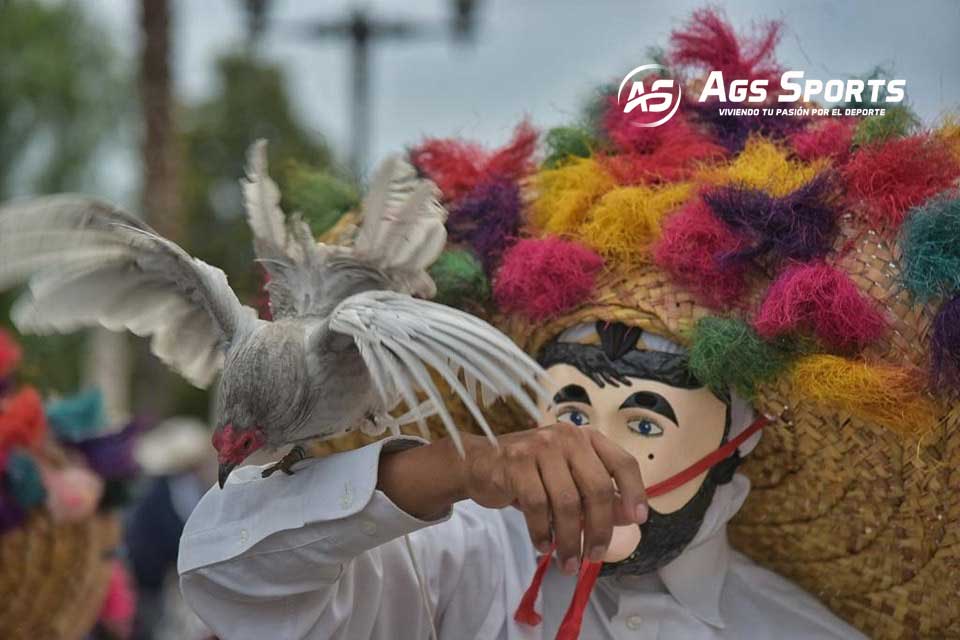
634 622
243 536
368 527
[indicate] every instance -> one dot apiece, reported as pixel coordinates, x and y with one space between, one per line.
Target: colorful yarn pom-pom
79 416
890 396
945 346
488 219
540 278
930 243
24 483
727 353
800 225
460 279
822 300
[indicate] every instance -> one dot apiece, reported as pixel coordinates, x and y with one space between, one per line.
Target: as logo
658 96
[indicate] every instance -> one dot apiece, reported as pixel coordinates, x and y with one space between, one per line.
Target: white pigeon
352 336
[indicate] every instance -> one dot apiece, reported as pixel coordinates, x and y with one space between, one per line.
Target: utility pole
362 30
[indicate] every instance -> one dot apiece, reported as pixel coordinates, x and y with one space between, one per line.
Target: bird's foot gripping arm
286 463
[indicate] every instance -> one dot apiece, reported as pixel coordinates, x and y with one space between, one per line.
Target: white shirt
320 555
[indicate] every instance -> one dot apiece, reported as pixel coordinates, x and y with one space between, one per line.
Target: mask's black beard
665 536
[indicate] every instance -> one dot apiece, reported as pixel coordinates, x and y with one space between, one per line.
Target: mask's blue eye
573 416
645 427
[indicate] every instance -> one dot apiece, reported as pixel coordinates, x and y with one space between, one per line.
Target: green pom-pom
77 417
930 243
728 354
897 122
320 197
460 278
24 480
566 142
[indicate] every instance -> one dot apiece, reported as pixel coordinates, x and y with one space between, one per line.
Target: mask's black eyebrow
651 401
572 393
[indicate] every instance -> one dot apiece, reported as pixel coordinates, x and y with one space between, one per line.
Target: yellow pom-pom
883 394
949 132
565 194
626 221
766 166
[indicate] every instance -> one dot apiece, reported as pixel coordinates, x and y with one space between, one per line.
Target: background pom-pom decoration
820 299
626 221
896 122
930 243
488 219
830 138
10 354
461 281
567 142
766 166
457 167
885 180
690 248
23 480
22 423
728 353
565 194
890 396
77 417
540 278
800 225
945 346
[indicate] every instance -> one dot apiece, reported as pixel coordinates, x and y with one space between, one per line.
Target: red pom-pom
885 180
666 153
709 43
10 354
544 277
692 248
821 299
22 421
829 138
457 166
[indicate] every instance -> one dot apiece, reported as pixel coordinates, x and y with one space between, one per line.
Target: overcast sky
541 57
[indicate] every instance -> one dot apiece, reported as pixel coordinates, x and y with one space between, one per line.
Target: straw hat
54 577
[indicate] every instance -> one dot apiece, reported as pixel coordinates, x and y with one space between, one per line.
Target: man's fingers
626 471
531 499
564 506
598 496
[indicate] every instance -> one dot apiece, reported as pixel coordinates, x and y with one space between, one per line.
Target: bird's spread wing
400 234
402 231
88 263
284 246
402 338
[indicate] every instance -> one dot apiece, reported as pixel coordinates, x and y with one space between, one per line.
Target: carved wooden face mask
648 403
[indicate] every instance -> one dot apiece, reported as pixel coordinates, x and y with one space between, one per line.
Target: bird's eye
645 427
573 416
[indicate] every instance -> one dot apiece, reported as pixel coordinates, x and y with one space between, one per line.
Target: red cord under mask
590 571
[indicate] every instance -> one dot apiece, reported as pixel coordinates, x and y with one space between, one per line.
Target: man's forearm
423 481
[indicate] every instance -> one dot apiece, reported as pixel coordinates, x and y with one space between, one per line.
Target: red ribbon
590 571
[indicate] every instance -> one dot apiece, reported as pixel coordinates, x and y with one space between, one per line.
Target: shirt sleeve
272 557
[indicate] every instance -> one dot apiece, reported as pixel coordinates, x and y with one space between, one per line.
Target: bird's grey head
261 393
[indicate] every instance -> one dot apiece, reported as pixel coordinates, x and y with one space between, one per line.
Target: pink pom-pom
544 277
120 605
829 138
694 247
820 299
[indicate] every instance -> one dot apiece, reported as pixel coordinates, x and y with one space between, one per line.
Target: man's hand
571 483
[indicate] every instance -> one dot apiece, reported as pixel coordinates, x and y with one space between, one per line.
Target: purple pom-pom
111 455
12 514
800 226
732 132
488 219
945 345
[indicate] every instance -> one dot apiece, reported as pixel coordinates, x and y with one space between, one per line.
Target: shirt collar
695 578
